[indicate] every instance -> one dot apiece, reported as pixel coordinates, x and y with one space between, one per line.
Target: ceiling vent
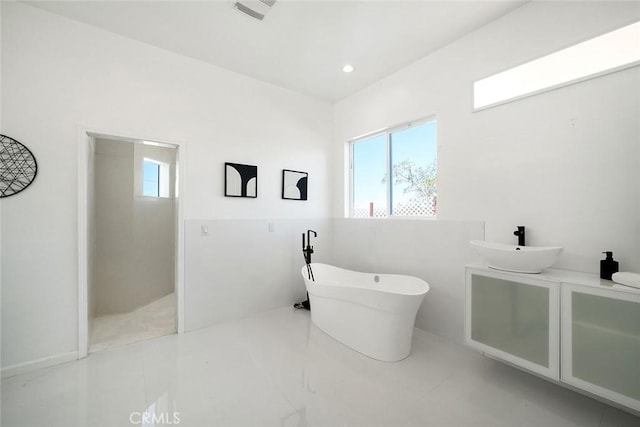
256 9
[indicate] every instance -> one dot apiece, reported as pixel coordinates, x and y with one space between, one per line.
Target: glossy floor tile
153 320
277 369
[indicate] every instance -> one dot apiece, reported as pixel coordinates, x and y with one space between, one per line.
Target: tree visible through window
395 172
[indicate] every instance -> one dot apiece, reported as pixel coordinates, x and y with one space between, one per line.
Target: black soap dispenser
608 266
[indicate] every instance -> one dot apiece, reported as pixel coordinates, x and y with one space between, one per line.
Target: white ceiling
301 44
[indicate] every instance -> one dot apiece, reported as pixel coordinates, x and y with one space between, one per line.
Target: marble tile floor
153 320
278 369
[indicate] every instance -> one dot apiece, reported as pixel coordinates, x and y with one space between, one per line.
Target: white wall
134 257
57 75
435 251
564 163
154 223
1 132
114 239
240 267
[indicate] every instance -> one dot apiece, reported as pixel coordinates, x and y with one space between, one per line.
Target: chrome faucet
520 233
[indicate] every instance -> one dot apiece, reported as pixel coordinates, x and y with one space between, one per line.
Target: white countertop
565 276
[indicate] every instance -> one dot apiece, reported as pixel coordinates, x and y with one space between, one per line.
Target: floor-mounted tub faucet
520 233
308 249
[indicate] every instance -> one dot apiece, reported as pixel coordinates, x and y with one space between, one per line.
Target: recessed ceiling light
348 68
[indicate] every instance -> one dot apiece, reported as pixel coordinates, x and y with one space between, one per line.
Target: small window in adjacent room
155 179
394 172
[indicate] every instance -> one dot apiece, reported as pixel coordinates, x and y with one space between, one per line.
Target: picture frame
294 184
240 180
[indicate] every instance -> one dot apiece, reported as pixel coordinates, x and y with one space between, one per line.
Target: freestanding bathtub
373 314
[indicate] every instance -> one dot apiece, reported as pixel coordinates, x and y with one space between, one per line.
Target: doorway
130 250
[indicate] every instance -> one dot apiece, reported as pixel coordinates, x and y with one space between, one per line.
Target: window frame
389 167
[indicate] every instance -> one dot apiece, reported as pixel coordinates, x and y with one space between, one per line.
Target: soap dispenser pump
608 266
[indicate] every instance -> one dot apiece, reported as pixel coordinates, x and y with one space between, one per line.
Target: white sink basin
521 259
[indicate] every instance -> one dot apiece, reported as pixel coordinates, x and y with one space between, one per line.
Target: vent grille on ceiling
256 9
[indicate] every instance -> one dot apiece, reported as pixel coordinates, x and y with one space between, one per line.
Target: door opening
130 241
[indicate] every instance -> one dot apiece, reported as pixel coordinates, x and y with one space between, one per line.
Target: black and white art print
294 185
240 180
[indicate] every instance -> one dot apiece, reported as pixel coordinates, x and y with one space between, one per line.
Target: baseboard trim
32 365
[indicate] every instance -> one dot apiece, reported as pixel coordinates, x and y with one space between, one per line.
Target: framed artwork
294 185
240 180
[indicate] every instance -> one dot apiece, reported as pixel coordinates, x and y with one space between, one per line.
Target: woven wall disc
18 167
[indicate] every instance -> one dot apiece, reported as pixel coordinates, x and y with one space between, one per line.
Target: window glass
607 53
151 179
369 171
394 172
413 171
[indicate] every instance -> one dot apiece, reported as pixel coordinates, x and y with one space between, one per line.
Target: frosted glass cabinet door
514 318
601 342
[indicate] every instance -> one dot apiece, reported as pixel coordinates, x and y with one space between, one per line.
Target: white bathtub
373 314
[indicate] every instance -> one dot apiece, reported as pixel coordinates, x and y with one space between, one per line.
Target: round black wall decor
18 167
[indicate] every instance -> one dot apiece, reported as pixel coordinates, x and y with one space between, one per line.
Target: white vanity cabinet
570 327
514 318
601 342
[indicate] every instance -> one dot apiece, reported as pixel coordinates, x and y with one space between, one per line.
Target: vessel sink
521 259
